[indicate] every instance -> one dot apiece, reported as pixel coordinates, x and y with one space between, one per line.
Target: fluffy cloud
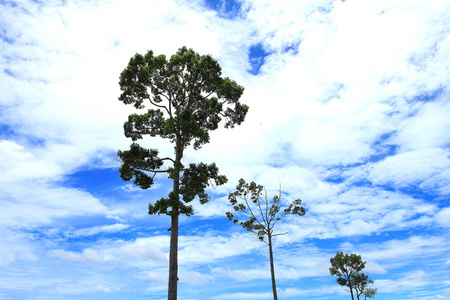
443 217
88 255
99 229
413 167
142 249
411 281
347 113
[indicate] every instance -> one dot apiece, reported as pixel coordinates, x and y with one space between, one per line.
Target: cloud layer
349 105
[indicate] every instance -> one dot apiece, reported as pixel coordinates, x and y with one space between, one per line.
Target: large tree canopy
188 98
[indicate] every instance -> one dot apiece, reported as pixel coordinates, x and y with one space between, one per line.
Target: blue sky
349 111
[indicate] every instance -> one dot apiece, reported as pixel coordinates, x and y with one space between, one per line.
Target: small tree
261 215
348 268
189 98
361 281
369 292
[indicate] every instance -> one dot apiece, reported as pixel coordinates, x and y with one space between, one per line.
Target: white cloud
413 167
88 255
396 253
360 211
243 295
296 292
192 277
427 128
159 276
142 249
99 229
373 267
233 274
41 203
343 95
443 217
17 247
411 281
208 248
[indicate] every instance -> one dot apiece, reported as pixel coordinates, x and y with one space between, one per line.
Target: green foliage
348 268
262 213
345 266
189 95
369 292
196 178
136 161
188 98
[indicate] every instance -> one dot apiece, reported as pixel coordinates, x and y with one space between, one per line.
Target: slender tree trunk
272 268
173 256
173 259
351 293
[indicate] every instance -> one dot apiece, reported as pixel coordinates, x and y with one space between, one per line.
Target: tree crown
188 97
189 94
262 213
348 268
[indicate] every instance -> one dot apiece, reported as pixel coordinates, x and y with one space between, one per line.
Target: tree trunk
351 293
272 268
173 259
173 256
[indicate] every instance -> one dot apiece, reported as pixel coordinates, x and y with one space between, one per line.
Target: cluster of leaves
188 92
348 268
262 214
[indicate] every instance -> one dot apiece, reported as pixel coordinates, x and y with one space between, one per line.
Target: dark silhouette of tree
261 215
188 98
348 268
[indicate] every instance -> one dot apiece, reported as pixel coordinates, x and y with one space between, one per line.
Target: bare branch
260 209
279 234
159 105
168 158
251 211
205 97
280 218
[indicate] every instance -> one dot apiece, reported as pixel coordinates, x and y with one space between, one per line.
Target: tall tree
348 268
188 97
261 214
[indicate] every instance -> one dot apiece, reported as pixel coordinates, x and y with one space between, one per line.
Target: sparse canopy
188 98
369 292
260 215
348 268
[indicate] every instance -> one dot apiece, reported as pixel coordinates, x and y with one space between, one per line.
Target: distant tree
260 215
348 268
369 292
189 98
361 282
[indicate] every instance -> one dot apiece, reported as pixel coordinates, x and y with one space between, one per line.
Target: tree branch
279 234
158 105
260 210
168 158
251 212
279 219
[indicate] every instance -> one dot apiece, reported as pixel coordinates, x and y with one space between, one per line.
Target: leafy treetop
262 214
348 268
188 97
